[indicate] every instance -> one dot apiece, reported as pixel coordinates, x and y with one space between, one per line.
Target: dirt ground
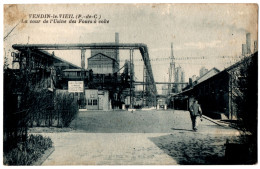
137 138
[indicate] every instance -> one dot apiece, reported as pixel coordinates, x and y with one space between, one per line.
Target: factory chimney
244 49
255 46
248 43
117 37
117 51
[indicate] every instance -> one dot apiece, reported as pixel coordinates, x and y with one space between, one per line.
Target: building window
90 102
78 74
94 102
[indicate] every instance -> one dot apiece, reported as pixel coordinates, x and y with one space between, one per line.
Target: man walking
195 113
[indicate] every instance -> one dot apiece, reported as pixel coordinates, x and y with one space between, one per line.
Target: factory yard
137 138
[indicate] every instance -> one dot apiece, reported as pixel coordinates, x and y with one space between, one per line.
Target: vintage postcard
130 84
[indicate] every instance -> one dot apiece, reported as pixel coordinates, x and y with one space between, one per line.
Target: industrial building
106 76
39 69
101 78
216 92
102 64
42 66
104 61
97 100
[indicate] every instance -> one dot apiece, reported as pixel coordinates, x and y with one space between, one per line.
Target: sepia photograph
130 84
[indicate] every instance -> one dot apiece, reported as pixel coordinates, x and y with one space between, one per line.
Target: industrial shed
217 94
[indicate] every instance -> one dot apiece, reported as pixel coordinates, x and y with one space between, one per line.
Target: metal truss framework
150 85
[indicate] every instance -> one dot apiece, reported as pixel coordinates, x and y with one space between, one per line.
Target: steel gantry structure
150 86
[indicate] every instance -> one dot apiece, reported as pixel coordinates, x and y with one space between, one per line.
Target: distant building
209 74
178 74
179 78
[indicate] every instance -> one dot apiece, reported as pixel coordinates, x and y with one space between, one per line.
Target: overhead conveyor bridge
149 81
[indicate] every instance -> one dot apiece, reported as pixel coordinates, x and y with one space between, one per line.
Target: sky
201 33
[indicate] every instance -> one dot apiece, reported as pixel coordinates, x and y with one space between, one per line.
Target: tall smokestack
244 49
182 78
117 51
172 50
255 46
248 43
117 37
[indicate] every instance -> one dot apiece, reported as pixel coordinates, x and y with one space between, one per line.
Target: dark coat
195 110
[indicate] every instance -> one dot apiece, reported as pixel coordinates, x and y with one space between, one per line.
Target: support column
131 78
144 76
83 51
230 97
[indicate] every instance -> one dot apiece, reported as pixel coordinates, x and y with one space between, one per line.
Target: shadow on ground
187 149
180 129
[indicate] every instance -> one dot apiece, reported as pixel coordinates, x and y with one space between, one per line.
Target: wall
213 95
91 99
101 64
103 100
97 100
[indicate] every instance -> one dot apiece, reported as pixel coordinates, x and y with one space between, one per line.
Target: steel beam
143 83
